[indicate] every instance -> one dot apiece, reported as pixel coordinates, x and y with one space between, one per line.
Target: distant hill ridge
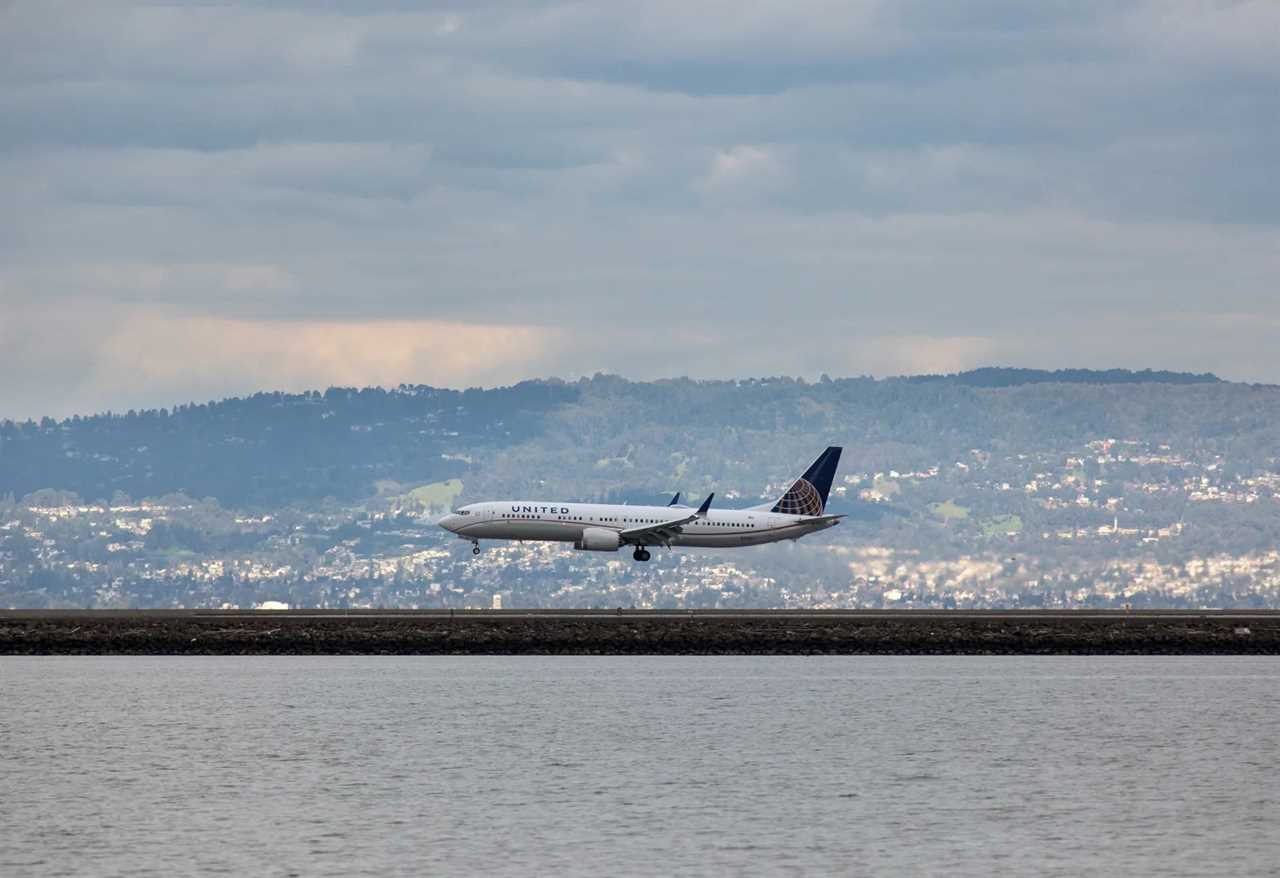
559 390
608 436
1002 376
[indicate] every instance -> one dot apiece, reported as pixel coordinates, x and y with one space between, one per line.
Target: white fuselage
565 522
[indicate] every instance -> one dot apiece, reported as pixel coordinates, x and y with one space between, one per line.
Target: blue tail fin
808 494
675 499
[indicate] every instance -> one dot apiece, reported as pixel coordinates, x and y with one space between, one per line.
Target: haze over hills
990 487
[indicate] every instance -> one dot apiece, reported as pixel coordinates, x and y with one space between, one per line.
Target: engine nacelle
598 539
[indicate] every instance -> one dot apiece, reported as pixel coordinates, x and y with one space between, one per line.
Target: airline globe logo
802 499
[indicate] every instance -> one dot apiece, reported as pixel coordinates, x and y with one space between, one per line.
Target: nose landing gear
641 554
475 548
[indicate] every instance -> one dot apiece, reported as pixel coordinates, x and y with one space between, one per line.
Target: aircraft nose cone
449 522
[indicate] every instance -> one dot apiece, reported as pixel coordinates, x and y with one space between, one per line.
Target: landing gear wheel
475 549
641 555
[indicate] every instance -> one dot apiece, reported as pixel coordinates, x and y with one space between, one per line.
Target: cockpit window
463 512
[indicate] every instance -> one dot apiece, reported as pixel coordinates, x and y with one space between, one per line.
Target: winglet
706 504
675 499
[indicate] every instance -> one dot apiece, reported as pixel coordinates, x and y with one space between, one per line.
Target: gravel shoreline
636 633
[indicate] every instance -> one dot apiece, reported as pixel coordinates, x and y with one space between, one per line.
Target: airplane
600 527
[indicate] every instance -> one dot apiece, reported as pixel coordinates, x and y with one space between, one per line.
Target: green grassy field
437 495
950 510
1001 525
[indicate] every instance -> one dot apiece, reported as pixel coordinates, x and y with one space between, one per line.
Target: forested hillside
606 435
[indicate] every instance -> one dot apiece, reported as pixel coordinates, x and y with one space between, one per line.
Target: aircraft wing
660 534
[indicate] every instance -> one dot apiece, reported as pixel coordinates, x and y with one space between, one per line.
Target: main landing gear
641 554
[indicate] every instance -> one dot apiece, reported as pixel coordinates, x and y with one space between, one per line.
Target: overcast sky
203 199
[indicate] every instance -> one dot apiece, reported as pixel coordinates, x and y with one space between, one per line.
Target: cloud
136 357
743 170
903 184
170 352
1243 34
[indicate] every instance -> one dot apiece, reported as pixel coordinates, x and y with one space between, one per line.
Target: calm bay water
641 766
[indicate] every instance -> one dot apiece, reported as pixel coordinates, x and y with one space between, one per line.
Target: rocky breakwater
635 632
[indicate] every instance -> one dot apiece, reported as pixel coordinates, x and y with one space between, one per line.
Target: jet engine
598 539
